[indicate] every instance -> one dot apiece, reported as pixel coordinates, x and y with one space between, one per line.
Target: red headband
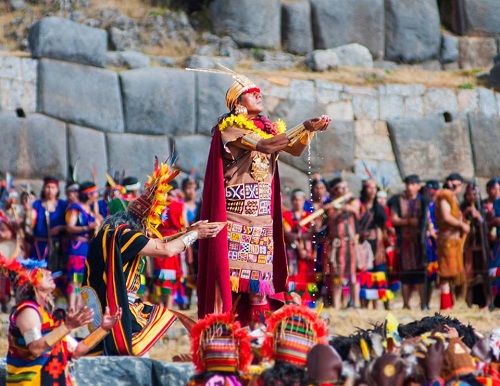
90 190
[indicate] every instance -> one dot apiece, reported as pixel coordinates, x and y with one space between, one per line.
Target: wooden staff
337 203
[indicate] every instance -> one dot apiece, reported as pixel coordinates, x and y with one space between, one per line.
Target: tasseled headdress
219 344
291 333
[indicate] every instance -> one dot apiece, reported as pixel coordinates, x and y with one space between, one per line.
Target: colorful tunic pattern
302 277
113 270
51 368
340 261
226 163
374 281
248 187
78 245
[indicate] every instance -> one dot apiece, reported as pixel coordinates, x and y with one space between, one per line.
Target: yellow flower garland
244 123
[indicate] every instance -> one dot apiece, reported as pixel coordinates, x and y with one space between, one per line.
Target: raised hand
75 319
108 320
318 124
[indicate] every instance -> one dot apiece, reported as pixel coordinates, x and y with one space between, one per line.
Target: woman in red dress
300 251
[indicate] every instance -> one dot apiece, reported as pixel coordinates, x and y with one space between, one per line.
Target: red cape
213 261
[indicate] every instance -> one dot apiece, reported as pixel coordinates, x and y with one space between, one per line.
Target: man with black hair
406 215
451 238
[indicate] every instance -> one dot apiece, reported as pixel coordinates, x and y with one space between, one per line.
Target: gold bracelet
249 142
306 138
56 335
294 133
189 238
93 339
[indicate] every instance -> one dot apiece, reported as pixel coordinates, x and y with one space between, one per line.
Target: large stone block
57 38
439 101
487 102
135 153
101 371
353 55
391 107
33 147
485 137
476 52
384 171
16 94
365 107
296 27
431 148
250 23
294 112
158 101
87 149
372 141
83 95
210 99
330 150
412 30
339 22
449 49
471 17
192 151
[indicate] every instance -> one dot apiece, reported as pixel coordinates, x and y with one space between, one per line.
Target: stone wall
104 371
115 121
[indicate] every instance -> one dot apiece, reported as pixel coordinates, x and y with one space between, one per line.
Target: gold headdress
150 204
240 86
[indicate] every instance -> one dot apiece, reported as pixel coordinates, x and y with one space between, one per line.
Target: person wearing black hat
451 238
406 216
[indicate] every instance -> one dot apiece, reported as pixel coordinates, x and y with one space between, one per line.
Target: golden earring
239 109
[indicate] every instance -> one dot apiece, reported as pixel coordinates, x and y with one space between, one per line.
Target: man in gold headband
246 262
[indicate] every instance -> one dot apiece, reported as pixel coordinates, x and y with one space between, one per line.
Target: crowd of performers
130 255
352 251
56 228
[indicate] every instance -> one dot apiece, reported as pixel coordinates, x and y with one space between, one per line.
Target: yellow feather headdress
151 203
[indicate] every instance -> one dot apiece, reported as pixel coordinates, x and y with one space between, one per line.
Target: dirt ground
342 322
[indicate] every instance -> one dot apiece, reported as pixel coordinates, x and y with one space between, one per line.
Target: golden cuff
93 339
249 141
295 133
56 335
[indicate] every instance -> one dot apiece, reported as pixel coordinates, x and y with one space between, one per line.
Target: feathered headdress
23 272
150 204
291 333
218 343
240 86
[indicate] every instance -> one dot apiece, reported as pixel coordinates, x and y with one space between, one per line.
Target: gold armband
249 141
189 238
93 339
306 138
56 335
295 133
